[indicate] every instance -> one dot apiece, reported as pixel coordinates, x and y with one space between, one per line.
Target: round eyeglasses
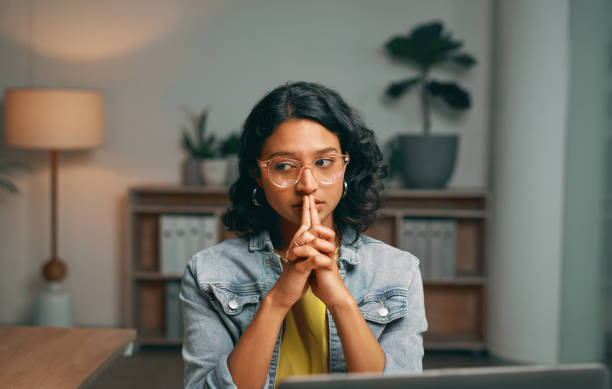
286 172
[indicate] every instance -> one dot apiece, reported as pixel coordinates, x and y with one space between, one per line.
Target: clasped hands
311 262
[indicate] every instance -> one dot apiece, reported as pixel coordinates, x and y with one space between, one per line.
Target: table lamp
54 120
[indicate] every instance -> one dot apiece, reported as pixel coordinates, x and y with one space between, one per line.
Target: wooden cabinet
455 305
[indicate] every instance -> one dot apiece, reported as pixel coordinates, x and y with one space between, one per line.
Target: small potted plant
394 160
229 148
202 166
429 160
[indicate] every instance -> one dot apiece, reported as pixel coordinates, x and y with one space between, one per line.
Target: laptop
581 376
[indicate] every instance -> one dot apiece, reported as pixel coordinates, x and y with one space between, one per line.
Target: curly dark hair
306 100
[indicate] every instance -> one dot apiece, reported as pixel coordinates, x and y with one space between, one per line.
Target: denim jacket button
382 311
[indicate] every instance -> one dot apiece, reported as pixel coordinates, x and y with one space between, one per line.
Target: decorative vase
191 171
214 171
429 161
232 170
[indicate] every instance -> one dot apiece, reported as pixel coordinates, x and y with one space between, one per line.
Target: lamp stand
54 306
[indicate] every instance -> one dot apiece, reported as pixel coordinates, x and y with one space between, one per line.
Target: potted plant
394 160
229 148
202 165
429 160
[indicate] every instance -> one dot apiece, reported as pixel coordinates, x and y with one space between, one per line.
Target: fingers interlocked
312 234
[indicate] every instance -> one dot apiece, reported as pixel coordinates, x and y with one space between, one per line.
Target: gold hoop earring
254 198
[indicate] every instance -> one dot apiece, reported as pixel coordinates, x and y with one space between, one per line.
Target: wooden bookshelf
455 306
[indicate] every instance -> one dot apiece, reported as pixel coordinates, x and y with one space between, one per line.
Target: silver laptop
581 376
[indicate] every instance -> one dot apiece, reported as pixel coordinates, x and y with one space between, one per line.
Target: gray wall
530 90
551 156
150 58
589 126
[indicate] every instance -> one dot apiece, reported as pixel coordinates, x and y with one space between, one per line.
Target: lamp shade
56 119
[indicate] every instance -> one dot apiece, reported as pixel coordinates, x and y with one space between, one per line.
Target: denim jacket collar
348 249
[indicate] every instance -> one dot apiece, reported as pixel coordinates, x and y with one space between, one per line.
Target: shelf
443 213
455 305
452 193
467 281
179 189
438 194
470 342
189 209
155 276
158 341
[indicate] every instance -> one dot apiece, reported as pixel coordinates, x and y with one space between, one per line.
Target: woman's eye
284 166
324 162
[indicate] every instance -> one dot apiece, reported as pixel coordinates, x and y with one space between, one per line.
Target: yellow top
304 348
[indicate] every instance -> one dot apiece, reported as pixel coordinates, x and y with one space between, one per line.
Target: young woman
302 291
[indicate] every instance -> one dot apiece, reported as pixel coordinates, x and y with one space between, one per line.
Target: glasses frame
265 164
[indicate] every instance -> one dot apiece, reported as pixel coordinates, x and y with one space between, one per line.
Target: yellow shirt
303 348
304 345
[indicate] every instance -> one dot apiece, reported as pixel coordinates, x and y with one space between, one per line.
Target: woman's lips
318 205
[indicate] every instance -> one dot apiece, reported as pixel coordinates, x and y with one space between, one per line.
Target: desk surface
50 357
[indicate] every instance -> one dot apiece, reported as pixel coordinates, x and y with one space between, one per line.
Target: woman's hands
311 262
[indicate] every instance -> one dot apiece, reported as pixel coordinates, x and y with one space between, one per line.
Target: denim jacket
224 285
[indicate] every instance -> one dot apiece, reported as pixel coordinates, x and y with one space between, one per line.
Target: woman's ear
255 174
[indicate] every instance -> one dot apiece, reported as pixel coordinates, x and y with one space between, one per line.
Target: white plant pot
214 171
232 170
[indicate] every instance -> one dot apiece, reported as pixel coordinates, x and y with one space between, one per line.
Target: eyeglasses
285 172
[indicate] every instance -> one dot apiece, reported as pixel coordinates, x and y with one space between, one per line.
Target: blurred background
537 137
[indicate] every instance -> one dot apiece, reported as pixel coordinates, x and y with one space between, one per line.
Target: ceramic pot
232 170
191 171
214 171
429 161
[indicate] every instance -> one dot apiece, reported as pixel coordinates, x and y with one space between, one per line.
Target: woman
302 291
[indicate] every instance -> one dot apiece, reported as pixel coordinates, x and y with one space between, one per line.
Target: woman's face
307 141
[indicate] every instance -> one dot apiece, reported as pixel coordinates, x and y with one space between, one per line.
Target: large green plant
428 46
195 141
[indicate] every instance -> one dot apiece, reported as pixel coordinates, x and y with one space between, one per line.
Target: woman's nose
306 183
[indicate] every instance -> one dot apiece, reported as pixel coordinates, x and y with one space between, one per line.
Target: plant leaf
8 185
425 45
397 89
230 145
451 93
202 124
187 143
463 59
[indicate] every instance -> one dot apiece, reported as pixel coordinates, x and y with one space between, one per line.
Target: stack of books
433 241
181 237
174 313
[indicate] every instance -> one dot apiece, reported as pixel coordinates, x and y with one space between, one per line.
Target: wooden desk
48 357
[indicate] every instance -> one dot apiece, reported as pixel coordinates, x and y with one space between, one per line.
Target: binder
449 244
168 244
174 316
208 231
181 255
436 251
415 239
193 238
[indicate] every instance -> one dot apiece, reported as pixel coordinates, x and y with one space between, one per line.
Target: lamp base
55 269
53 307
